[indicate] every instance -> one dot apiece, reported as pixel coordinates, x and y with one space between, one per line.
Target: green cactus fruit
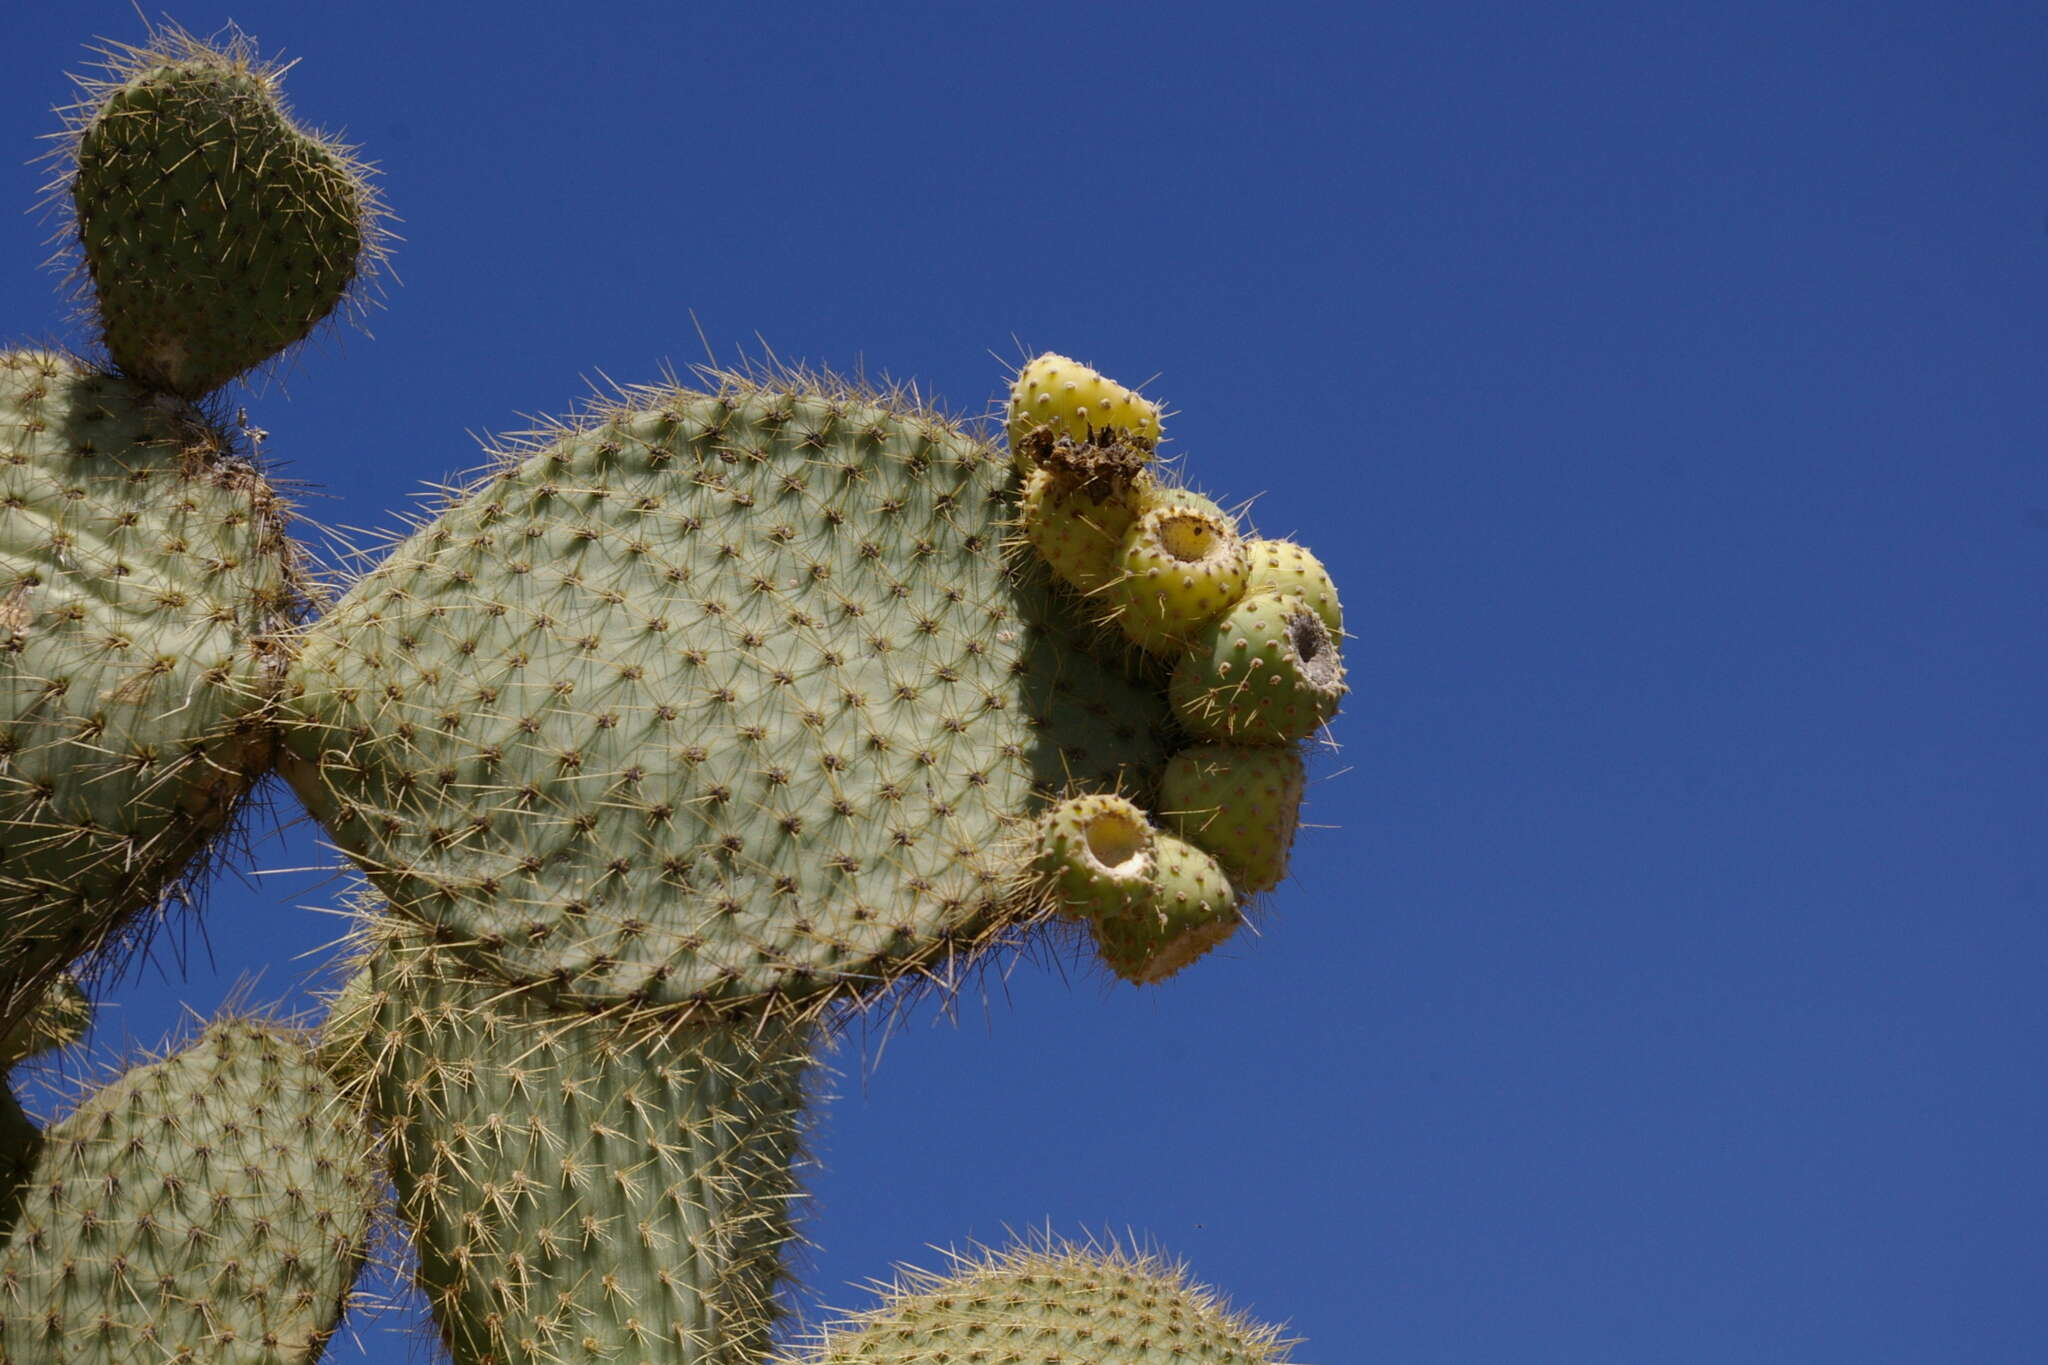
1268 672
1077 535
1241 803
212 1206
1050 1305
1181 567
582 1187
1075 401
215 231
1189 907
1096 854
142 570
715 700
1283 566
63 1017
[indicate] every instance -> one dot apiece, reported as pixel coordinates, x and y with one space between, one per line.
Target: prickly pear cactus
1050 1305
713 699
144 574
209 1207
695 717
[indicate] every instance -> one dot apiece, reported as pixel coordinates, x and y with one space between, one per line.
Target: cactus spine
700 720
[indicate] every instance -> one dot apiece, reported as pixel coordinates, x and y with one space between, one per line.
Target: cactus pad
582 1187
209 1207
141 568
713 697
1056 1305
215 231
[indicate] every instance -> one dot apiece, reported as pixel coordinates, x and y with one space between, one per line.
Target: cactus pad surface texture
208 1207
715 698
144 571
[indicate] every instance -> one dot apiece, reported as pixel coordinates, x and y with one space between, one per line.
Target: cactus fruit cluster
698 724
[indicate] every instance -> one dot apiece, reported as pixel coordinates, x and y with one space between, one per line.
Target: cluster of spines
1247 630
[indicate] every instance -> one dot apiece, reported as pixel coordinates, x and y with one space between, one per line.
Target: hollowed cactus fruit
1241 803
1096 854
212 1206
1050 1305
1075 401
1268 672
715 697
582 1186
1188 907
216 231
143 570
1181 566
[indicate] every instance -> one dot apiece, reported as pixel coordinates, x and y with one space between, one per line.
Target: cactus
700 723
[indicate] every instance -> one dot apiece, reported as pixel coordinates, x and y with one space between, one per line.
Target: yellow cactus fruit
1283 566
1075 401
1181 568
1076 534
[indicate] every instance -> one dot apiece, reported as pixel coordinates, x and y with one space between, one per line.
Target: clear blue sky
1664 979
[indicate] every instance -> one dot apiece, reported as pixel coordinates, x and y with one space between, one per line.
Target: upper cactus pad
717 696
216 231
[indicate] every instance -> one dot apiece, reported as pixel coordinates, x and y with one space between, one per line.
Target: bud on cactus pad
1096 853
1238 802
582 1187
1075 401
1189 906
1052 1305
1283 566
716 697
142 570
1267 673
216 231
209 1207
1181 567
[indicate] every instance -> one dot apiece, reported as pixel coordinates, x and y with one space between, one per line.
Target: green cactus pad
1283 566
582 1187
1241 803
1095 853
209 1207
142 568
1189 907
1268 672
716 697
1055 1305
215 231
1181 567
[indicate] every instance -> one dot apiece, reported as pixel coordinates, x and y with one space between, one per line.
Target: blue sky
1664 977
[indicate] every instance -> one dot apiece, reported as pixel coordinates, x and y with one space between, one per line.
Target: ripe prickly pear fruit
63 1017
1283 566
1181 567
215 230
1096 854
588 1186
143 571
1050 1305
1241 803
1189 907
1067 396
212 1206
718 699
1268 672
